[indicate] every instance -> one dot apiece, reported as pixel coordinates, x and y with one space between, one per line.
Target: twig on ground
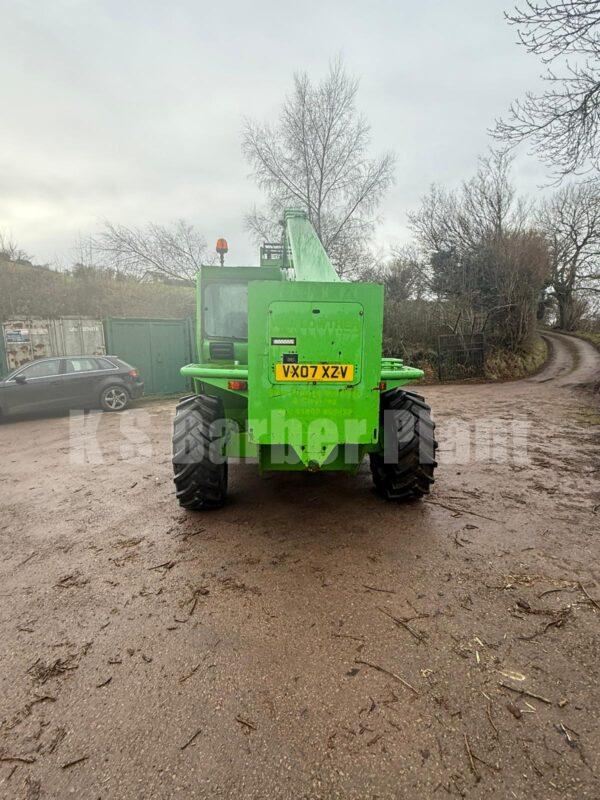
591 599
560 727
558 589
245 722
199 591
378 589
191 739
489 715
554 623
189 674
459 510
166 565
43 672
187 536
526 693
485 763
402 623
74 762
387 672
21 759
39 699
471 759
29 557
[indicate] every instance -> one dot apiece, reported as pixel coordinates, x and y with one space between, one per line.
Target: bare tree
405 275
157 251
9 250
563 122
570 221
485 207
315 158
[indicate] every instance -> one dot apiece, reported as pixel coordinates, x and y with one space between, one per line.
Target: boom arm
309 259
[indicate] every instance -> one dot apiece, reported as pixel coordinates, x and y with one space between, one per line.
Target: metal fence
461 355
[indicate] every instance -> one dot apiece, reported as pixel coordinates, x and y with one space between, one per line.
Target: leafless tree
9 250
570 221
405 275
562 123
486 206
315 157
156 251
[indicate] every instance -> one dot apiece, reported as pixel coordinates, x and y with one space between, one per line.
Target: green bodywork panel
337 323
296 310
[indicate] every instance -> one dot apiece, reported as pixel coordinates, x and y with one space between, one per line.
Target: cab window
226 310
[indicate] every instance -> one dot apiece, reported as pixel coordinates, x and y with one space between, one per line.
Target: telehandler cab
291 374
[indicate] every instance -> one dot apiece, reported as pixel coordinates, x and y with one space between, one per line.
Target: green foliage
484 255
503 364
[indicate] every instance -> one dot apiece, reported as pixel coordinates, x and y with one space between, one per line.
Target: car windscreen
226 310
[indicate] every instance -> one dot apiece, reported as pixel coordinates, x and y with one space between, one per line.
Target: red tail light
133 373
237 386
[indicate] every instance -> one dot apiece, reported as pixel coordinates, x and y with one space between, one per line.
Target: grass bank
589 336
502 365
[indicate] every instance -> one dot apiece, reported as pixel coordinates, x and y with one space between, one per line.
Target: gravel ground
308 640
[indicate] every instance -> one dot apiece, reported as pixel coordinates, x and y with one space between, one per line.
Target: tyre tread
199 483
409 478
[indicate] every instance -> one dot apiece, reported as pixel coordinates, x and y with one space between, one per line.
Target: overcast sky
132 110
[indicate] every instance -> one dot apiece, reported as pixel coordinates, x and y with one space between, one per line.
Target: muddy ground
308 640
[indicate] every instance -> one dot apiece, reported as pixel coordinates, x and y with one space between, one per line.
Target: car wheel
114 398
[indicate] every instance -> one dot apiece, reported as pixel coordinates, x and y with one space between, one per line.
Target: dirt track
253 652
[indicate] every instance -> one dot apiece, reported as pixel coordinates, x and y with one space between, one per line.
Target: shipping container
29 339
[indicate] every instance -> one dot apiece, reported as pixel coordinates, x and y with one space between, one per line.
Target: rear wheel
199 464
404 470
114 398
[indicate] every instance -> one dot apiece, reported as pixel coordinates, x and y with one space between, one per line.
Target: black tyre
199 466
404 470
114 398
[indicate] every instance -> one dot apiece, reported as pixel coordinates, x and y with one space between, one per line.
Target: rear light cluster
237 386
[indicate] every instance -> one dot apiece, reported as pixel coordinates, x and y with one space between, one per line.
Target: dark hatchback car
50 384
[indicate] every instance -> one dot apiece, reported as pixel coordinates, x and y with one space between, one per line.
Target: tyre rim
115 399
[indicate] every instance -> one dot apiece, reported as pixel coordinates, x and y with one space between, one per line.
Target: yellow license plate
341 373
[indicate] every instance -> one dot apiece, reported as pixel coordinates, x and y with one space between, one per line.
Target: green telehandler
291 375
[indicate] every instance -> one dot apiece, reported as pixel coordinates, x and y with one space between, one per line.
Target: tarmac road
308 640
